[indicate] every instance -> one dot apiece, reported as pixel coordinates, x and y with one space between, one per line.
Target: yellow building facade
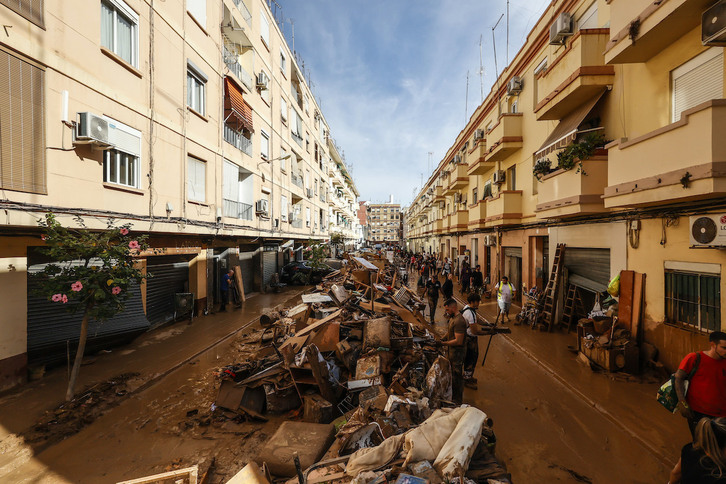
602 134
191 120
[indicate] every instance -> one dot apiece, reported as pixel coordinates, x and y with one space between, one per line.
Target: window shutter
230 182
29 9
198 9
196 180
698 81
22 127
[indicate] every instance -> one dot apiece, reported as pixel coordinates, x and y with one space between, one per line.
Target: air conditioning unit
262 81
499 177
478 134
713 25
261 206
457 159
561 29
490 240
91 129
514 86
708 230
310 192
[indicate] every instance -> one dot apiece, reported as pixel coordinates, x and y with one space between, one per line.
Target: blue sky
390 76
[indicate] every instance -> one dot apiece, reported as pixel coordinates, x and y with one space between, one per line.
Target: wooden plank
365 264
189 474
320 323
625 306
238 282
638 298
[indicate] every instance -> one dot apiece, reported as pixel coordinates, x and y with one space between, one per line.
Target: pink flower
76 286
116 290
133 245
57 297
43 237
65 299
124 231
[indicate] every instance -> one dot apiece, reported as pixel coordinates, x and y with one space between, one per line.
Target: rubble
358 364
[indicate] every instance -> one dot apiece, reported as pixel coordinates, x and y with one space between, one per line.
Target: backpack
667 395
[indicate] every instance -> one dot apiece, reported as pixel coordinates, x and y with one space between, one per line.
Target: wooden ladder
572 303
552 289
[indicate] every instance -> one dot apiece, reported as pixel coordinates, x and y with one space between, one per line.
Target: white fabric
454 457
506 292
470 320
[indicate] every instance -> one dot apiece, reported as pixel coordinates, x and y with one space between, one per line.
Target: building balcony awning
566 131
236 110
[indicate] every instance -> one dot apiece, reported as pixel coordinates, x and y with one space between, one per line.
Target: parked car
297 272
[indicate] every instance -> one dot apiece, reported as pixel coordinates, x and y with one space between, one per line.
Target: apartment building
602 134
190 120
343 198
384 222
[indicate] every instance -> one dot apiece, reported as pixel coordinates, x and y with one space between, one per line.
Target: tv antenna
481 71
496 68
466 103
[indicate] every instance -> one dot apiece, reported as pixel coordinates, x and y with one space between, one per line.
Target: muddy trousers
472 355
433 302
456 358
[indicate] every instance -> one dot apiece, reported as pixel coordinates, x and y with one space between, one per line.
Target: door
168 276
513 268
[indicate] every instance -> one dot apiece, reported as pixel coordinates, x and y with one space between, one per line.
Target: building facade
604 137
343 199
384 221
190 120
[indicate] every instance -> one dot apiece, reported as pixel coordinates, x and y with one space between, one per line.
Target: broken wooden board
187 475
316 298
377 333
378 306
327 338
313 327
366 264
250 474
238 282
625 301
416 319
321 374
361 277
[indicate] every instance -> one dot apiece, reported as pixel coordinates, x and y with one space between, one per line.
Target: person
703 461
505 293
706 396
433 287
224 289
447 267
455 341
477 279
465 277
448 288
473 330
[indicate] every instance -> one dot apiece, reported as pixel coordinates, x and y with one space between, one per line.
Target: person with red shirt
706 395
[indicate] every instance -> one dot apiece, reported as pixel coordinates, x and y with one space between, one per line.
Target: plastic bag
614 286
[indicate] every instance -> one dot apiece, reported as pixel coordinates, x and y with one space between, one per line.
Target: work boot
471 384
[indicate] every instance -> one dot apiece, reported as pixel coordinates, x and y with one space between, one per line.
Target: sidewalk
152 355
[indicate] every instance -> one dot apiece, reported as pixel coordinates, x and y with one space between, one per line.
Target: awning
566 131
236 110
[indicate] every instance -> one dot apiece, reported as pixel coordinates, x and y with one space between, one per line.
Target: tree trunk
79 357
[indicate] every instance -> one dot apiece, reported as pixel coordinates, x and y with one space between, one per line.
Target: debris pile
367 396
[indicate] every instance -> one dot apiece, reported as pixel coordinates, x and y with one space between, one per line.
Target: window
198 9
693 299
264 145
306 103
283 161
588 20
512 178
283 208
196 87
120 30
120 168
283 110
22 137
487 190
265 93
283 61
697 81
265 28
307 216
30 9
196 179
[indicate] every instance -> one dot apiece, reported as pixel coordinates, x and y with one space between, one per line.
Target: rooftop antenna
496 68
481 71
507 32
430 166
292 24
466 103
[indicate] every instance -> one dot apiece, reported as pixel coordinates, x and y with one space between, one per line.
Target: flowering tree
91 273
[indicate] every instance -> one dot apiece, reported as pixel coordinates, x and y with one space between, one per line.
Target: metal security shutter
22 125
168 276
697 81
52 331
247 265
269 265
588 268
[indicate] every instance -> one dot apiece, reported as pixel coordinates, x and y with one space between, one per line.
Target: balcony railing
297 179
298 139
233 64
238 140
244 11
296 224
238 210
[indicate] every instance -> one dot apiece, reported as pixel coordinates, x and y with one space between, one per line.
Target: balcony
296 223
439 194
297 179
232 63
238 140
567 193
438 225
505 137
244 11
235 209
576 76
458 178
504 209
679 162
459 221
660 25
478 162
478 215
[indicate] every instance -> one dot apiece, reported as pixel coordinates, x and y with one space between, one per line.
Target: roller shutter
168 276
269 265
697 81
247 265
588 268
53 332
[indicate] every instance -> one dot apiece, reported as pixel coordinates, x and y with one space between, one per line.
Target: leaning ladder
552 289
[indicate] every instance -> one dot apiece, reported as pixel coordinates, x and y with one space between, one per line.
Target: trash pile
367 396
